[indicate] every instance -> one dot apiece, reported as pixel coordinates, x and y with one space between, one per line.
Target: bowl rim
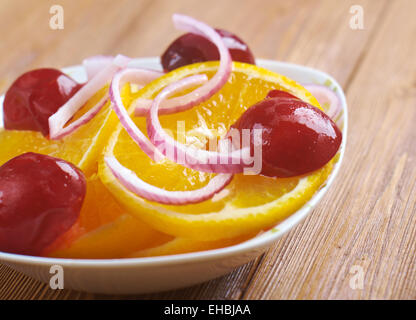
256 243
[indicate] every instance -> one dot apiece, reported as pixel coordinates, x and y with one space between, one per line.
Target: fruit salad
207 153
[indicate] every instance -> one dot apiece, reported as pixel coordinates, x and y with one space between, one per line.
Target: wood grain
367 219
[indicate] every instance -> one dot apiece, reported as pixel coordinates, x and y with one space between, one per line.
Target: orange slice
249 203
118 239
103 230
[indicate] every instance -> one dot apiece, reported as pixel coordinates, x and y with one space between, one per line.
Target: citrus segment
125 235
99 206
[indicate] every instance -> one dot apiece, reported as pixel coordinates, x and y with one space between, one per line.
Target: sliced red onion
84 119
133 183
139 77
58 120
198 159
93 65
121 61
204 92
326 96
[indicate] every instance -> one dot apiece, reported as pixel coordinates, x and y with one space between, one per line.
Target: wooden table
368 219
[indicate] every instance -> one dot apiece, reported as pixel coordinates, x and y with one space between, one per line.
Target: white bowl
144 275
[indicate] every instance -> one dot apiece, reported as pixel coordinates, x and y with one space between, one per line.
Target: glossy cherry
297 137
34 97
192 48
40 199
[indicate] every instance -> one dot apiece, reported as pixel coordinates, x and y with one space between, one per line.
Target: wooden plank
314 33
90 28
368 219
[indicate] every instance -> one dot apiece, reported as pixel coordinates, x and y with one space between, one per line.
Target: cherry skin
34 97
40 199
280 94
192 48
297 137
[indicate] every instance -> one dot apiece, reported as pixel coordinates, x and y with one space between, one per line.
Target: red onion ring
325 95
204 92
198 159
93 65
140 77
133 183
58 120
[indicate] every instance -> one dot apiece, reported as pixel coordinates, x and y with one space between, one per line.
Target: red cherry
192 48
40 199
297 137
34 97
